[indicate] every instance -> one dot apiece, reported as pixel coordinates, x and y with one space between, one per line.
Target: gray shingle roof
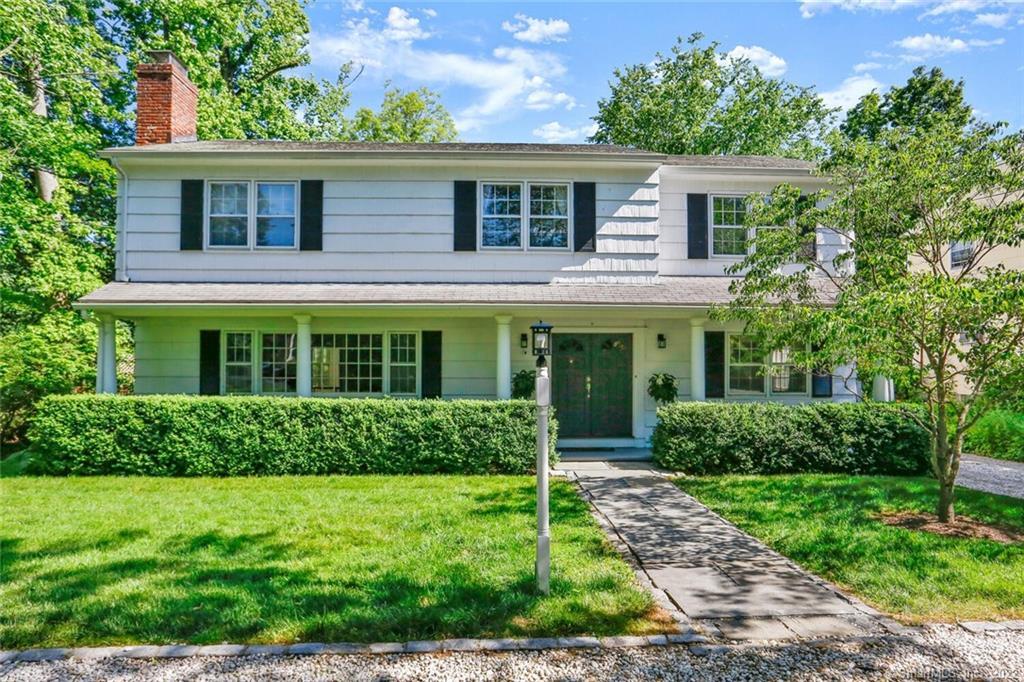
667 292
286 146
739 161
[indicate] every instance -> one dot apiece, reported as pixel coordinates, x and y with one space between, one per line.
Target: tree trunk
46 182
945 510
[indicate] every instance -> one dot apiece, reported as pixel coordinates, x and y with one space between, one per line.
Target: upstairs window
229 214
549 216
275 214
960 253
728 228
502 215
518 215
244 214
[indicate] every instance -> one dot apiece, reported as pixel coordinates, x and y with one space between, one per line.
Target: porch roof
686 292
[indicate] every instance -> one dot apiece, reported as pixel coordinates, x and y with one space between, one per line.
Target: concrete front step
605 455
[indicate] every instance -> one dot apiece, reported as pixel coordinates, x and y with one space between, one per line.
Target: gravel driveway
992 475
938 653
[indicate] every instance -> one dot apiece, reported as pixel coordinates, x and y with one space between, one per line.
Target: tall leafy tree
696 100
413 116
56 210
928 97
894 304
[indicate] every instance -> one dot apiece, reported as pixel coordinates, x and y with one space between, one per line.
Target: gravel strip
938 652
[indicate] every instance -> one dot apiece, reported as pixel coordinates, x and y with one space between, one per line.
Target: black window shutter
714 364
311 216
821 382
697 226
465 215
209 362
430 379
191 215
584 211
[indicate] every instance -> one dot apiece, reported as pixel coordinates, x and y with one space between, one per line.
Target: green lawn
824 523
94 561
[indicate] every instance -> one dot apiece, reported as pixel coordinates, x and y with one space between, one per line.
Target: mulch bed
963 527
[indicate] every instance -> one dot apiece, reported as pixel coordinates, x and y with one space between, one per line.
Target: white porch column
882 389
99 353
107 381
304 356
504 358
697 358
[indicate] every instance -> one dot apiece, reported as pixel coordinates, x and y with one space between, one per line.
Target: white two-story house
415 270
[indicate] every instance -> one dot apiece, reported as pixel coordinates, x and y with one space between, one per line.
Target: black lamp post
542 348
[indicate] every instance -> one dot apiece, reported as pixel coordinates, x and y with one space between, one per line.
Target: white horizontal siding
392 224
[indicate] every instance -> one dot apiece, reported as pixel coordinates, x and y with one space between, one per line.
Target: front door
592 385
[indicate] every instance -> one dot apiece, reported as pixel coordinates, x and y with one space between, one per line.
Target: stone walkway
725 582
992 475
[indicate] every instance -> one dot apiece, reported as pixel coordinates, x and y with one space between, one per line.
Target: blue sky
533 71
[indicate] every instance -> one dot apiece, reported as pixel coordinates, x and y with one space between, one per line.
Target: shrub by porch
243 436
767 438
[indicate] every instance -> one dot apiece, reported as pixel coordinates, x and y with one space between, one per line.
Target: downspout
121 258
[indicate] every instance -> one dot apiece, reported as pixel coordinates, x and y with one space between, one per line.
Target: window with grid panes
238 362
746 366
549 215
229 214
278 373
786 377
348 363
402 364
728 231
501 215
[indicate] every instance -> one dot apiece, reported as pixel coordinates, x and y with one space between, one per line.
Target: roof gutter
334 156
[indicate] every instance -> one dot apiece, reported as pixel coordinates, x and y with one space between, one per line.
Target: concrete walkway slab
711 570
998 476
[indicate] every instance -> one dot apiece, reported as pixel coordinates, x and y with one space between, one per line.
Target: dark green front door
592 385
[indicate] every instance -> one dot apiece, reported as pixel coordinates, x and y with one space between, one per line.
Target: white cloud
403 26
955 6
866 66
554 132
929 45
811 8
925 46
992 19
767 61
530 30
355 5
506 80
850 91
430 12
548 99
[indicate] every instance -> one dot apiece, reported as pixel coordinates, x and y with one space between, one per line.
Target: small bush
251 436
998 434
767 438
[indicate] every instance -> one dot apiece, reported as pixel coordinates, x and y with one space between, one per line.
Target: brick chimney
165 109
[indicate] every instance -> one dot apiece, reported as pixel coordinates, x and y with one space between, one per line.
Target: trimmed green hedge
998 434
246 436
769 438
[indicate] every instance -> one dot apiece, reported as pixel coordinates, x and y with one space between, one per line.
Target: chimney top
165 109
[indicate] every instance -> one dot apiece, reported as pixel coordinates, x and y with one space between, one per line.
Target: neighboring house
415 270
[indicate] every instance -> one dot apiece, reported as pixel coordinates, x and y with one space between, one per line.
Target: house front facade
416 270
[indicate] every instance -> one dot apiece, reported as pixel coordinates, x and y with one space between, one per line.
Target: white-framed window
960 253
278 369
745 366
501 215
751 371
786 378
517 215
275 215
228 211
357 364
403 364
238 362
549 215
729 233
251 214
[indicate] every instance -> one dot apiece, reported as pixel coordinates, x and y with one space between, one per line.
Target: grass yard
97 561
827 524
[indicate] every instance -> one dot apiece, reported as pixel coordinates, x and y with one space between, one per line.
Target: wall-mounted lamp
524 340
662 341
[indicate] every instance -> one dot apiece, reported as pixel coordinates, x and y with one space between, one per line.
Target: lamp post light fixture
662 341
542 348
